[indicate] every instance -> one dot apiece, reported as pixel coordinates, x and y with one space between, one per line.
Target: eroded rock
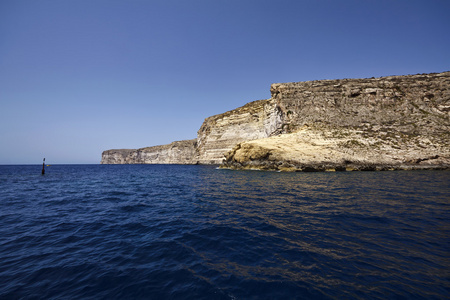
180 152
325 125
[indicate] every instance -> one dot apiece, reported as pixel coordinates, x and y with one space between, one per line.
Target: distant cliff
379 123
180 152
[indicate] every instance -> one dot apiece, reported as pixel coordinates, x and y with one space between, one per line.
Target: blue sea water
196 232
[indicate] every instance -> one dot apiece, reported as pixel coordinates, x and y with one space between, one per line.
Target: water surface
175 232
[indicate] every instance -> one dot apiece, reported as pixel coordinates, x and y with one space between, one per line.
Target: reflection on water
148 231
329 230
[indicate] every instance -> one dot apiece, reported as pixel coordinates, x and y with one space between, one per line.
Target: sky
80 77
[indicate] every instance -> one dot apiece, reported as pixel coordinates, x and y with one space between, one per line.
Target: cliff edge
395 122
179 152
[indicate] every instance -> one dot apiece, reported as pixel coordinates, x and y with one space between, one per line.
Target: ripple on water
149 231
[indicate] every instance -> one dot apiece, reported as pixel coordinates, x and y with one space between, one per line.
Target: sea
199 232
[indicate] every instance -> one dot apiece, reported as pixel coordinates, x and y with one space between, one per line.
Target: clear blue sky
79 77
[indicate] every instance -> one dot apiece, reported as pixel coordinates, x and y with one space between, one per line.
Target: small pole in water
43 167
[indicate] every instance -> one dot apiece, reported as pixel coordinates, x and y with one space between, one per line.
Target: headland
386 123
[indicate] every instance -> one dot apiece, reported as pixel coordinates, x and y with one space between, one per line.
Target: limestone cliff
220 133
116 156
396 122
413 103
331 149
378 123
180 152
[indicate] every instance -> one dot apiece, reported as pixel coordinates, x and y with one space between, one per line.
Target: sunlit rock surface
395 122
325 149
180 152
220 133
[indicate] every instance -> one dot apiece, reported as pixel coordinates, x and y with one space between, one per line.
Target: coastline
386 123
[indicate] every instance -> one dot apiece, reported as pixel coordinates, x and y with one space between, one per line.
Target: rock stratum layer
220 133
180 152
395 122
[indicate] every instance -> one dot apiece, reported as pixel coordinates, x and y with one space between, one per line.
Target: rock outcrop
412 103
331 149
395 122
220 133
180 152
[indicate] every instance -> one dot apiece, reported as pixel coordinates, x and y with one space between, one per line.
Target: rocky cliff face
116 156
392 122
413 103
331 149
379 123
180 152
220 133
